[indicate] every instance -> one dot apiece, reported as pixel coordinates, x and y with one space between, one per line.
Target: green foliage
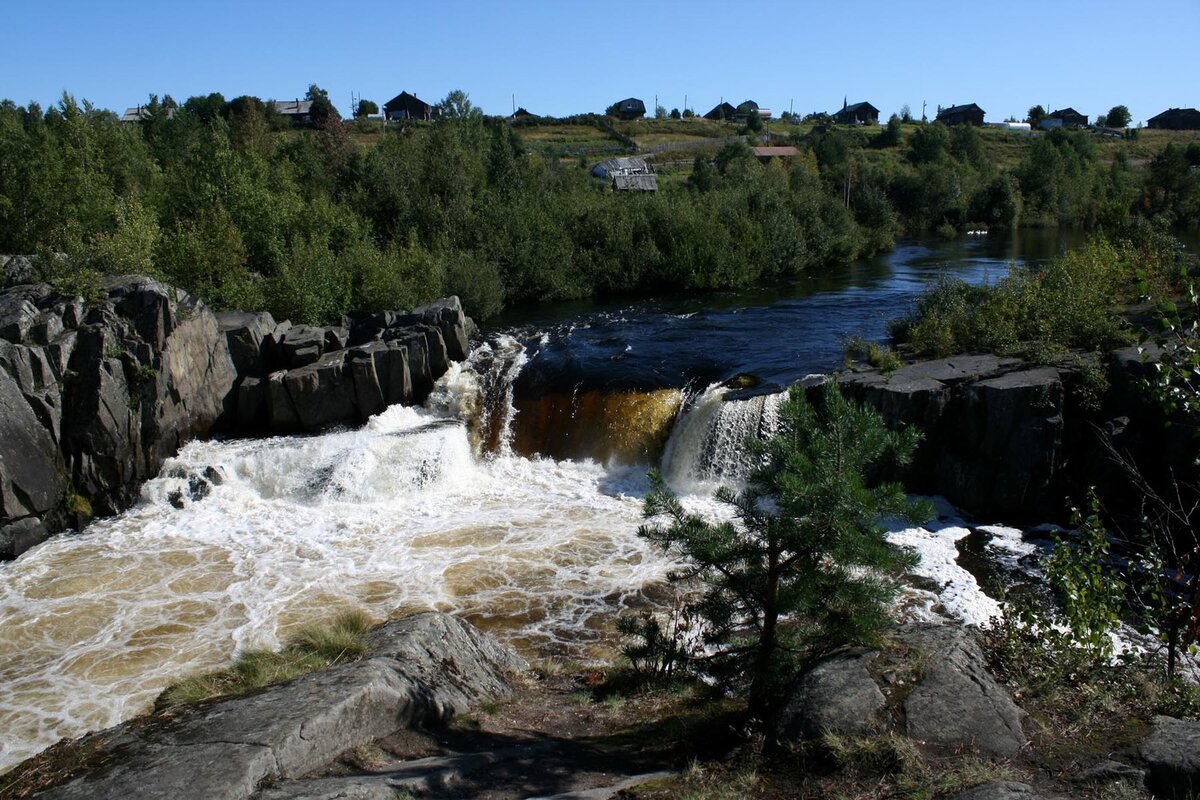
1118 117
657 645
366 108
1070 303
314 647
1035 115
806 544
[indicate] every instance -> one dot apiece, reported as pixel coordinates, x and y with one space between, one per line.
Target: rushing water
512 499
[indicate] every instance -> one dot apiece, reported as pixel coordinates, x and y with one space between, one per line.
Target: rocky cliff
95 394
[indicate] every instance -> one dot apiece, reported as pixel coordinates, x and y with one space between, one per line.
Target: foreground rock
932 684
1172 755
419 671
96 395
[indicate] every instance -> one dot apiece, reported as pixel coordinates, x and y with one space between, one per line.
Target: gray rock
302 345
1172 755
1108 771
957 702
15 270
336 337
17 317
31 467
367 389
251 402
17 537
836 696
251 340
1004 790
417 348
323 393
281 412
447 316
420 671
145 302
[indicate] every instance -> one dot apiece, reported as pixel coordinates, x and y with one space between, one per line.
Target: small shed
635 183
970 114
722 111
631 108
1066 118
765 154
626 165
407 106
1176 119
857 114
297 112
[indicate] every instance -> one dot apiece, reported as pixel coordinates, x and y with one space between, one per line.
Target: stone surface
251 341
1004 790
836 696
323 393
1108 771
419 671
957 702
1172 755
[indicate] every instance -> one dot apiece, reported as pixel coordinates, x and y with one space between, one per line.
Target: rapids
513 498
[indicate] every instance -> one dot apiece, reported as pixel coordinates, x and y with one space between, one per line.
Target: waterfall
708 445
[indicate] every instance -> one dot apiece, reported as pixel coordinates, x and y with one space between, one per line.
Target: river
512 499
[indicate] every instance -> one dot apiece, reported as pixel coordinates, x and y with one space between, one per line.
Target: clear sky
563 56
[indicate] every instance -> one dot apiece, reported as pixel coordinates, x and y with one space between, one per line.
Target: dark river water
779 333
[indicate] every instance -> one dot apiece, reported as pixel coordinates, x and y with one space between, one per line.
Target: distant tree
675 113
206 108
660 112
366 107
613 111
1035 115
703 177
890 136
457 105
688 113
905 113
1118 117
804 566
1102 121
322 109
927 143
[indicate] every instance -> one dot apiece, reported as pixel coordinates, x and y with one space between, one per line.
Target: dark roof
863 106
722 110
746 105
631 104
639 183
626 165
291 107
1173 112
1062 113
959 109
407 102
521 112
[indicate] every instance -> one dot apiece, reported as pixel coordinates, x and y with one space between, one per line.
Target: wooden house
405 106
1064 118
631 108
765 154
625 165
857 114
970 114
297 112
722 111
635 183
1176 119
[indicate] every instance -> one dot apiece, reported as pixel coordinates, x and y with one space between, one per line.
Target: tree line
223 199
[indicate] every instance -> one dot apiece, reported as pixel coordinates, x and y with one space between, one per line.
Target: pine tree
804 567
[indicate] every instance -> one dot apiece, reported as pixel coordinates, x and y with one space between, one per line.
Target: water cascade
708 445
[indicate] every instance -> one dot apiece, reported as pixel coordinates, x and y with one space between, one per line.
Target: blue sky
559 57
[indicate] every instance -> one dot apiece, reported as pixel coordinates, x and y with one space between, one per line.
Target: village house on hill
722 111
765 154
858 114
969 114
630 108
405 106
296 112
1064 118
748 107
142 113
628 173
1176 119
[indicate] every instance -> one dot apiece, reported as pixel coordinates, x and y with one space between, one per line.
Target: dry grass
313 648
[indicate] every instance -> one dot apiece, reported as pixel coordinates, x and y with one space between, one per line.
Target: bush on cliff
805 545
1073 302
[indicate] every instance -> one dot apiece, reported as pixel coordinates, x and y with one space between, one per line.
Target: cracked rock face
952 702
1172 755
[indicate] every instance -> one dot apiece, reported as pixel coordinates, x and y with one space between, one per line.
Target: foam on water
398 515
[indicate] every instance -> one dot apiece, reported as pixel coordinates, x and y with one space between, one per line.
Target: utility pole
514 102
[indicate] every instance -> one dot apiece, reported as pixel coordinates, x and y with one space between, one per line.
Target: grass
314 647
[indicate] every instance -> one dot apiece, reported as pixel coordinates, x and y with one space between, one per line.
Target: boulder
146 303
251 341
17 317
957 702
31 468
251 402
1109 771
281 411
323 393
17 537
1172 755
15 270
447 316
302 345
368 390
838 695
419 671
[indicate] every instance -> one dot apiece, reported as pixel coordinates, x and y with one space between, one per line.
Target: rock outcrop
418 672
96 394
1172 755
932 684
